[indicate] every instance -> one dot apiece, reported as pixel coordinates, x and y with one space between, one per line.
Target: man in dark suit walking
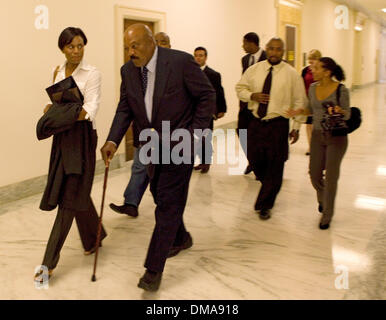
205 154
161 85
254 54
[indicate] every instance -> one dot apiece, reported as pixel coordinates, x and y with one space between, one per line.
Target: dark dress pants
169 187
244 118
87 222
267 153
326 155
205 152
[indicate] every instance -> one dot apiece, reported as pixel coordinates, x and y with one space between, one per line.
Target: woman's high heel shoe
38 276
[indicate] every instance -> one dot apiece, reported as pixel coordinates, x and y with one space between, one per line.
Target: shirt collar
82 65
275 67
151 65
203 67
258 53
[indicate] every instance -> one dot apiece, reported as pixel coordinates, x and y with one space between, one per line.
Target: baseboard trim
30 187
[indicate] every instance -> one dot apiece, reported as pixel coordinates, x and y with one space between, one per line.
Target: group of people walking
161 84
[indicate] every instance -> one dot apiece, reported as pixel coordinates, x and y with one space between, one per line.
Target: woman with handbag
327 150
72 163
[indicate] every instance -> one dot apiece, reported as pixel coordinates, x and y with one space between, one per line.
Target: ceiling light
384 10
358 28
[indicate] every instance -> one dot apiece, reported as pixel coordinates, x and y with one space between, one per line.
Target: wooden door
129 149
290 40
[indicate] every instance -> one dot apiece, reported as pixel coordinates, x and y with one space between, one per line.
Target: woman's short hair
68 35
314 54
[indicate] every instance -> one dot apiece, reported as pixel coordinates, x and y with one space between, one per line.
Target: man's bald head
162 40
275 50
140 43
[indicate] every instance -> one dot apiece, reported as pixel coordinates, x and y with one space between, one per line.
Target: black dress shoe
324 226
150 281
186 245
205 168
128 209
248 170
198 167
265 214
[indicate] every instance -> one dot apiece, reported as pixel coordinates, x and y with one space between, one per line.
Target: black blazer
183 95
215 79
245 60
245 65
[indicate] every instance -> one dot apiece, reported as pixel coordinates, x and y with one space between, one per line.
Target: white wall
370 45
356 53
28 56
319 32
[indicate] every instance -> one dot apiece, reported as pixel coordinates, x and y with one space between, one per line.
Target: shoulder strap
338 93
55 73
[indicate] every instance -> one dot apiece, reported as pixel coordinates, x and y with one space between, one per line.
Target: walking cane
93 278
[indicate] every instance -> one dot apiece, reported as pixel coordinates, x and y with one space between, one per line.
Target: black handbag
335 124
356 115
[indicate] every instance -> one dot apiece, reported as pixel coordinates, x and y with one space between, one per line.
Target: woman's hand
48 106
292 113
82 115
336 109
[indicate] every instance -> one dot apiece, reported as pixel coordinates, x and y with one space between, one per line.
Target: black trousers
169 187
87 222
244 118
267 153
206 149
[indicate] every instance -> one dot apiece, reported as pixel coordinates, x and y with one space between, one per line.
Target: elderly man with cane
161 85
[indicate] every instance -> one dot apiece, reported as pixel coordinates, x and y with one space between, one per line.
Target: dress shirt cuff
296 125
113 143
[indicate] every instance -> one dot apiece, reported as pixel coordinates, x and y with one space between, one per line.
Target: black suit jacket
182 95
245 65
215 79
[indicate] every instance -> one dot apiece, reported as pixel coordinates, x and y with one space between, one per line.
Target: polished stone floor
235 254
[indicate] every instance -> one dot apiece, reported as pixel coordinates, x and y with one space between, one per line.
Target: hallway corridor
235 255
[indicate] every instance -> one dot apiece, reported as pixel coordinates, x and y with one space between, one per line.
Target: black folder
65 91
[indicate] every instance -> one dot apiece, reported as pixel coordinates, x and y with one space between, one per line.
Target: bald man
162 40
161 85
274 92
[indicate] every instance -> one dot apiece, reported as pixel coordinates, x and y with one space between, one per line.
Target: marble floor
235 254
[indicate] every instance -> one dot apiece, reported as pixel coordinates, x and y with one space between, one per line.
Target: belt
271 120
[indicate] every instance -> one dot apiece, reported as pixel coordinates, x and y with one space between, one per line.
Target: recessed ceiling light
358 28
384 10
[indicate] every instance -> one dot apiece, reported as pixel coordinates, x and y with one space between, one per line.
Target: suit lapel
136 85
161 78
